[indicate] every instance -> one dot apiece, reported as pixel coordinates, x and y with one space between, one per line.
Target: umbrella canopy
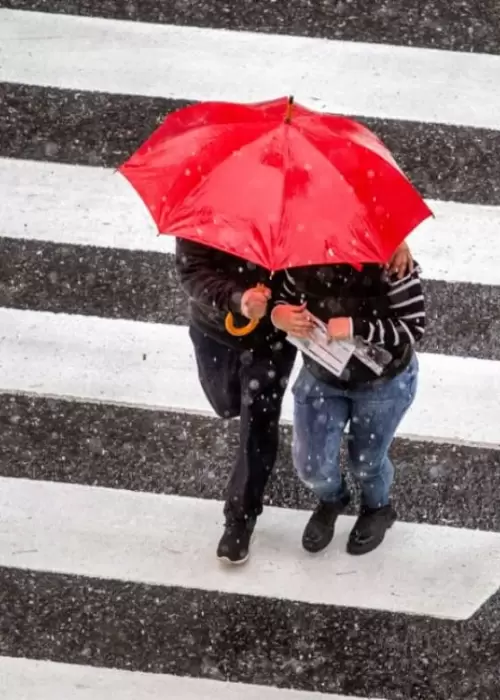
276 184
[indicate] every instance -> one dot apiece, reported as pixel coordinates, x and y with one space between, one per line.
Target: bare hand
294 320
401 262
340 328
254 302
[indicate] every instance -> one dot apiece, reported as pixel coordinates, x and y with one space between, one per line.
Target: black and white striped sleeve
288 293
406 322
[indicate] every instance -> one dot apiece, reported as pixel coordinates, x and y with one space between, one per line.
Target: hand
401 262
254 302
340 328
294 320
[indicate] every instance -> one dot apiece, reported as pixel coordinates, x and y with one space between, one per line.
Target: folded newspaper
334 355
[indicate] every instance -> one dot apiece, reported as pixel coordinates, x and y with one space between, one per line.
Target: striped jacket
383 309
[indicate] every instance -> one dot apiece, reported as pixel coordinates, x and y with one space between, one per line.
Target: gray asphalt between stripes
188 455
264 641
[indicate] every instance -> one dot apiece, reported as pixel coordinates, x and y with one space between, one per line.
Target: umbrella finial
289 108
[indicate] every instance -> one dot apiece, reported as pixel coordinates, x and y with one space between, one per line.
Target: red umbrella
276 184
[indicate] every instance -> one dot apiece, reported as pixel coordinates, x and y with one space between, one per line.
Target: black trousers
251 385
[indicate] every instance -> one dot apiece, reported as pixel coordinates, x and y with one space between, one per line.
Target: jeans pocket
412 375
407 383
303 386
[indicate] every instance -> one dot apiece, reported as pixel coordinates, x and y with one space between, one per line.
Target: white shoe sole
226 560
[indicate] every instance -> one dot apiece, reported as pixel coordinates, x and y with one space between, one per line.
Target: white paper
333 355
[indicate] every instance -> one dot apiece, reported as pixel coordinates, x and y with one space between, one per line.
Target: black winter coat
214 282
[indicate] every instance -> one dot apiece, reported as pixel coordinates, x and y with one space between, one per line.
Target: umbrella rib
286 161
385 164
350 186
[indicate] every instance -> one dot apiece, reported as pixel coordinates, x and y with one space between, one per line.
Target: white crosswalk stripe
155 539
112 464
369 79
152 365
41 680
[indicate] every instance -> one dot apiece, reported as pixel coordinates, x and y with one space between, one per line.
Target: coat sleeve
203 277
406 322
287 292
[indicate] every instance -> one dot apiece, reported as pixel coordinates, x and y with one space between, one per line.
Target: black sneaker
370 528
319 531
234 545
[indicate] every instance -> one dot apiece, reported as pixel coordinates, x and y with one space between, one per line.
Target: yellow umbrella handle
241 330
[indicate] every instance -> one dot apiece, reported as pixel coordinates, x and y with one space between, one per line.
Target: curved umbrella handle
241 330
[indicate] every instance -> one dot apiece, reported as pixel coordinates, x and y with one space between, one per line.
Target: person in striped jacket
384 314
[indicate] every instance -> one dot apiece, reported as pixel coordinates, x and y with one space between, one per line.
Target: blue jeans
321 413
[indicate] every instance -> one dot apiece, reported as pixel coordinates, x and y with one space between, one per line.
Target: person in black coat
369 391
241 376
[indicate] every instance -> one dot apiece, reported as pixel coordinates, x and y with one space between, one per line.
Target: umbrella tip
289 108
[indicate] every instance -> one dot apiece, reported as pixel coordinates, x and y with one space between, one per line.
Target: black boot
319 531
234 545
370 528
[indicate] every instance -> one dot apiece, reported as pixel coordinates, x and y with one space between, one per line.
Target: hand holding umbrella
253 306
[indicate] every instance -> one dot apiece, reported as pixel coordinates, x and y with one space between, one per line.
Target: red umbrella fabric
275 183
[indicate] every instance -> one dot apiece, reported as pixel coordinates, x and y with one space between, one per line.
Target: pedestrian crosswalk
102 55
156 539
112 464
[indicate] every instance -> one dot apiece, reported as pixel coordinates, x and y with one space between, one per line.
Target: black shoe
234 544
319 531
370 528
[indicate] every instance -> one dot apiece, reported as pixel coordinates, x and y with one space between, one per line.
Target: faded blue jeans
321 413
